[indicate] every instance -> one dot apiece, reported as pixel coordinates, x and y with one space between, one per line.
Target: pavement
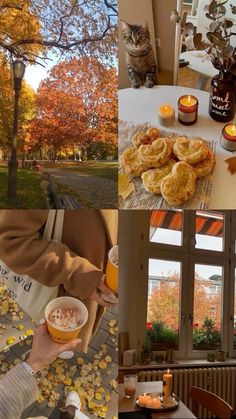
103 346
96 191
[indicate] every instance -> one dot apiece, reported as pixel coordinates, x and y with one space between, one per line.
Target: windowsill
180 364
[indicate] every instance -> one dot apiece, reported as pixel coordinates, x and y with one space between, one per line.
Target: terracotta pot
162 346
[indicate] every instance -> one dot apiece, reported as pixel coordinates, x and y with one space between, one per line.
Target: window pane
163 303
166 227
209 229
208 290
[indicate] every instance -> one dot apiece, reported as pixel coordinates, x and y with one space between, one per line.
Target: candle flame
189 99
145 394
168 371
234 128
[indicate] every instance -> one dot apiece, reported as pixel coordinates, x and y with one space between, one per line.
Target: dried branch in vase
219 48
222 53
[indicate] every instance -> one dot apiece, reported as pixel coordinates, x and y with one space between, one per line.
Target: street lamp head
18 69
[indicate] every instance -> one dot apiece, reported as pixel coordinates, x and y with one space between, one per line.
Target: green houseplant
162 337
146 351
207 336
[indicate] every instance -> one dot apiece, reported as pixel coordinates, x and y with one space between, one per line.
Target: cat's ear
124 25
145 25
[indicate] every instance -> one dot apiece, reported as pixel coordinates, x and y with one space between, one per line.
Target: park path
98 191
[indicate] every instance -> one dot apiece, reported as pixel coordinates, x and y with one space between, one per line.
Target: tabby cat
140 61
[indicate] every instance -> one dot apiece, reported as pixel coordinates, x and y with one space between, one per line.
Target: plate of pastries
168 166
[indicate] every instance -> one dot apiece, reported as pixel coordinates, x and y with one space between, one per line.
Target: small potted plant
207 336
162 337
146 353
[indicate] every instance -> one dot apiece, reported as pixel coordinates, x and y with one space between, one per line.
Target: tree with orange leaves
77 104
164 303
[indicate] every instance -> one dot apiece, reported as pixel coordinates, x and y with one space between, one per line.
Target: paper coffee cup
112 270
61 335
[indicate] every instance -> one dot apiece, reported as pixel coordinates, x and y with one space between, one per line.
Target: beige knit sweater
18 390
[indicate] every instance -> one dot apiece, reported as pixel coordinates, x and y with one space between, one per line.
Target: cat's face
136 37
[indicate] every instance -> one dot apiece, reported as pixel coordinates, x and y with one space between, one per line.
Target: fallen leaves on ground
85 377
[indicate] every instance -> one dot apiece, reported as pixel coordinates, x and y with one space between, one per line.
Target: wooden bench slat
69 202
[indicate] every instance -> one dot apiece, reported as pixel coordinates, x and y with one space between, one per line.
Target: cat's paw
136 85
149 84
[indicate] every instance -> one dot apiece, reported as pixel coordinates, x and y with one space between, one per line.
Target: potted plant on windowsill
162 337
207 336
146 352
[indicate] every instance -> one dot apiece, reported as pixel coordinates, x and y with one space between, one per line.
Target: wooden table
129 405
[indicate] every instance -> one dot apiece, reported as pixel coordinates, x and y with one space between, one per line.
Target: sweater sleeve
48 262
18 389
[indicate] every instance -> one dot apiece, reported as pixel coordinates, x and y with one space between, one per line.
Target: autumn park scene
58 104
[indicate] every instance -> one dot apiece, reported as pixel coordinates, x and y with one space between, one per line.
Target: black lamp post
18 68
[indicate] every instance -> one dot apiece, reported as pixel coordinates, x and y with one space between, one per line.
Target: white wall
134 12
165 32
130 230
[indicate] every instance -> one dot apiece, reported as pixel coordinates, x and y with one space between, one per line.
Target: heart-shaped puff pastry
156 154
153 177
179 185
142 137
205 167
130 162
190 151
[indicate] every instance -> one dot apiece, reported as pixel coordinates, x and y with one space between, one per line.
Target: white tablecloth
141 105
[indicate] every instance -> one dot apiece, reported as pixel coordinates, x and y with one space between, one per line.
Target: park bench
69 202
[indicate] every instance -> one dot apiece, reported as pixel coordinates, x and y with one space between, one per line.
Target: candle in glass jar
167 384
187 109
166 115
228 137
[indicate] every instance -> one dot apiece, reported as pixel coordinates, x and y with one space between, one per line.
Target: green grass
108 170
29 192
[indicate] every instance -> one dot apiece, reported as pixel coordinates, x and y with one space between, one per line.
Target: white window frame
188 255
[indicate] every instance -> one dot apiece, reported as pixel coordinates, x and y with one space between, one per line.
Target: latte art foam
66 318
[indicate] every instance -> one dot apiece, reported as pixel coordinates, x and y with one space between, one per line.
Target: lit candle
228 138
166 115
153 403
188 101
156 404
143 400
167 384
187 109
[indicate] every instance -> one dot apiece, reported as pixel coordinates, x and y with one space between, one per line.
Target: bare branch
57 44
111 6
